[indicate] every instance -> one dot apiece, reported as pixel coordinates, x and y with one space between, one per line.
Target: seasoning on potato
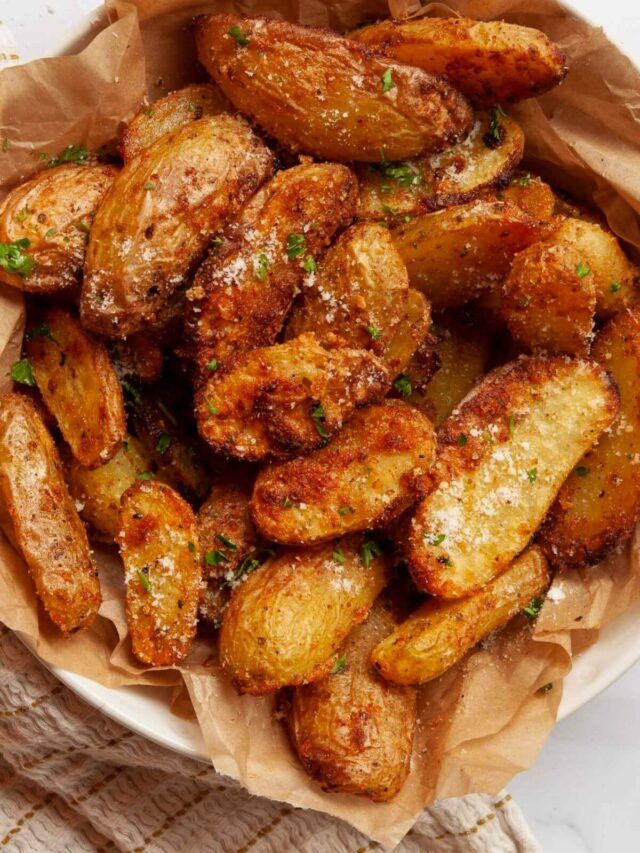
503 456
410 335
440 633
322 94
158 542
287 620
78 384
364 479
46 525
162 211
353 731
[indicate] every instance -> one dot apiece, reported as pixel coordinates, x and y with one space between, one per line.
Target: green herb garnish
582 470
13 257
533 607
287 503
387 82
376 334
144 580
496 133
403 386
338 555
149 185
229 544
41 331
532 475
339 665
462 439
145 476
309 264
164 443
582 270
369 550
318 417
236 33
215 557
295 245
212 365
433 539
21 372
70 154
615 287
262 266
210 407
346 510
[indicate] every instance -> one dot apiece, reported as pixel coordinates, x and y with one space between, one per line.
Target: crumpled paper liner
486 719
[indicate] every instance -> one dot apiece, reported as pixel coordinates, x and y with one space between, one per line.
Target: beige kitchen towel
73 780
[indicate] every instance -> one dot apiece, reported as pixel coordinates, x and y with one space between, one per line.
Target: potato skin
364 479
158 541
410 335
491 62
242 294
453 254
319 93
54 211
599 504
78 385
263 405
139 357
353 731
529 193
173 111
48 530
391 191
286 620
525 426
162 210
440 633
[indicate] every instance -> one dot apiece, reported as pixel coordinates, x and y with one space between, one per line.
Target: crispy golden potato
163 209
97 491
410 334
228 544
47 528
317 92
45 223
158 542
453 254
529 193
599 504
440 633
286 620
358 296
491 62
241 295
486 158
353 731
139 357
286 399
364 479
503 455
549 300
173 111
77 381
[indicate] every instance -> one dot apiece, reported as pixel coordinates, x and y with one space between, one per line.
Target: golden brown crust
158 542
530 193
286 620
491 62
410 335
353 731
139 357
46 525
78 385
162 210
319 93
364 479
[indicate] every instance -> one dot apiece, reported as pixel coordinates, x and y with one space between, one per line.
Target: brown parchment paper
485 720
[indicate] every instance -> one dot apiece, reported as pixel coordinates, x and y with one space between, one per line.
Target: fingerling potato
45 224
440 633
529 193
503 456
599 504
409 335
364 479
322 94
173 111
47 528
353 731
78 384
158 543
486 158
286 399
287 620
241 296
161 212
490 62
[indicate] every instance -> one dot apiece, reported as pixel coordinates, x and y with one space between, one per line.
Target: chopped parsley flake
496 133
5 144
369 550
318 417
512 426
404 173
71 154
22 215
523 180
236 33
546 688
376 334
145 476
582 270
215 557
387 82
462 439
212 365
210 407
582 470
532 475
50 232
339 665
229 544
191 546
148 112
21 372
309 264
295 245
433 539
403 386
533 607
615 287
287 503
262 266
144 580
149 185
338 555
13 257
164 443
346 510
40 331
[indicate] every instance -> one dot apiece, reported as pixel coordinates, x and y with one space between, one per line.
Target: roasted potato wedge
453 254
158 542
364 479
78 384
286 621
317 92
529 193
491 62
486 158
353 731
45 223
548 299
97 491
286 399
241 296
173 111
162 211
440 633
46 525
503 455
599 504
358 296
410 335
139 357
